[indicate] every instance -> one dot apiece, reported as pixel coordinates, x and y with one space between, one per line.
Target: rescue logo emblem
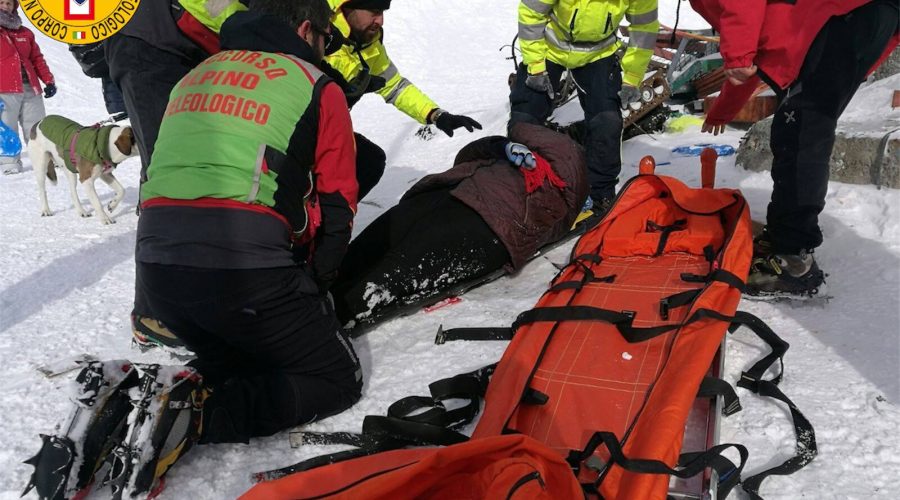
79 22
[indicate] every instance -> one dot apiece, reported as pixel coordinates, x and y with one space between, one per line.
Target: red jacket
774 35
17 49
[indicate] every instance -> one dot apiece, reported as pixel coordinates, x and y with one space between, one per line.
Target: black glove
449 122
50 90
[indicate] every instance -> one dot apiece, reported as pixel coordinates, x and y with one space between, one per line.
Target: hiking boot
602 206
592 212
67 462
149 333
782 275
164 423
762 244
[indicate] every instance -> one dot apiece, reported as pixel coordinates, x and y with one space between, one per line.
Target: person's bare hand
712 129
739 76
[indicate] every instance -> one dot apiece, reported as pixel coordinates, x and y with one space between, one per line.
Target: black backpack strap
807 448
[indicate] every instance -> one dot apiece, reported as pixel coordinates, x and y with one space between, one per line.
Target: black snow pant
145 75
370 162
417 249
598 85
269 347
804 124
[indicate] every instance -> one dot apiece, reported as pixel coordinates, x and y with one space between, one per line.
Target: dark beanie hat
368 4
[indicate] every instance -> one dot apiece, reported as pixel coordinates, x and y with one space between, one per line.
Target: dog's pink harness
107 165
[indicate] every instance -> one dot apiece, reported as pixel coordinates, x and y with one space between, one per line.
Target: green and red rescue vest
219 133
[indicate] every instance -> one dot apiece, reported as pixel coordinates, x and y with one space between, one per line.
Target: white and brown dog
89 152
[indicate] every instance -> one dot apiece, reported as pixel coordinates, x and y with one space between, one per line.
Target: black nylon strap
403 426
728 278
408 432
722 275
713 386
579 284
590 257
468 386
578 260
806 449
778 346
677 300
586 277
319 461
329 438
678 225
728 474
696 464
410 408
482 333
622 320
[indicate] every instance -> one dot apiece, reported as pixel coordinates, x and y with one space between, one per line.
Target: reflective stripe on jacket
352 62
212 13
573 33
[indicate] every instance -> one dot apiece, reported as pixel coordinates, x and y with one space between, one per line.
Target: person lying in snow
481 215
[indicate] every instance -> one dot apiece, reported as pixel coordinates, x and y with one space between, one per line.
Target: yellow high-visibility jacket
398 90
212 13
573 33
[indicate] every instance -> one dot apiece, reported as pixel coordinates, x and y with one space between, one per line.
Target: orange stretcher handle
647 166
708 158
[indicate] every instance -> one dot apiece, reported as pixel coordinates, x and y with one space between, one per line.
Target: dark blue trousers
598 85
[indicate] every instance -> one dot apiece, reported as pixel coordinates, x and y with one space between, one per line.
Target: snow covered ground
66 283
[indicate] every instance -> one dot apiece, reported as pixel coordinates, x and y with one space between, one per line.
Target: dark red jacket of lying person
492 186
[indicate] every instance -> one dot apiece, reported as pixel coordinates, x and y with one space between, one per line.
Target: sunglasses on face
332 39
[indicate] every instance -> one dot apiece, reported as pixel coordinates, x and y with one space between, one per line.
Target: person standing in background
580 36
22 68
814 55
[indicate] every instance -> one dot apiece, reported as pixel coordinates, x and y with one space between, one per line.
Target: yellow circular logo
79 22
